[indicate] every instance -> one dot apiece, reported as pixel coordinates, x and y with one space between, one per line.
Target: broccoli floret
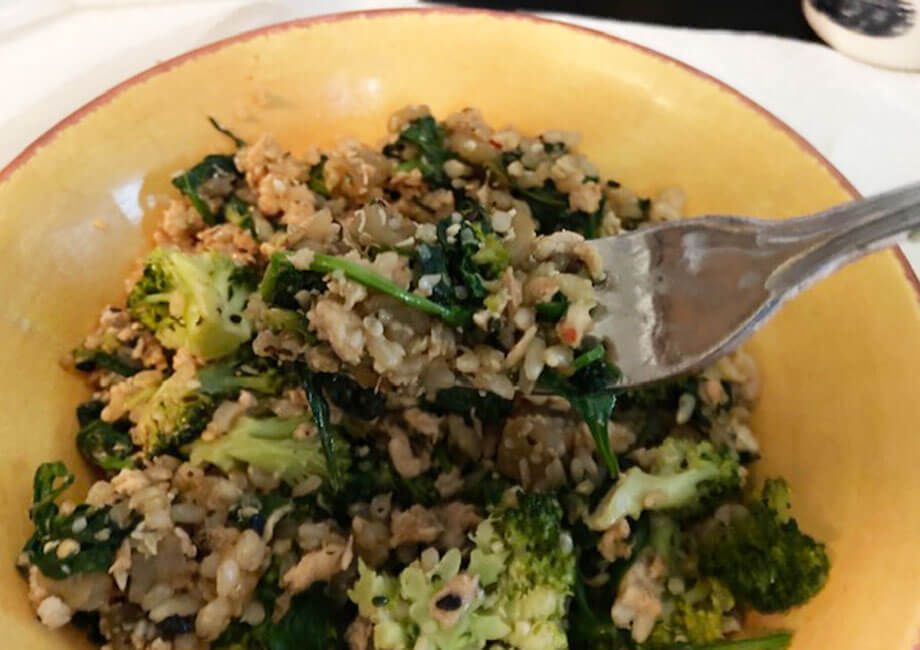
685 478
194 302
175 415
525 561
403 609
242 371
108 445
772 641
514 591
763 557
98 536
695 616
269 445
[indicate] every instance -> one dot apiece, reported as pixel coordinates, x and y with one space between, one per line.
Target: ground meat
321 564
417 525
638 603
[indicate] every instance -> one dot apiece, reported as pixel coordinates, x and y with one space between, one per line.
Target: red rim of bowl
164 66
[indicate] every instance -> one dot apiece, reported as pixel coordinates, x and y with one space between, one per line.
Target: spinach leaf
107 445
239 142
320 409
454 315
352 397
427 137
316 181
282 282
374 474
96 535
239 213
313 621
468 255
191 181
551 211
86 360
554 309
587 391
470 403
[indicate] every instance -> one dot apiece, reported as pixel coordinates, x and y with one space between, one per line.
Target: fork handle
824 242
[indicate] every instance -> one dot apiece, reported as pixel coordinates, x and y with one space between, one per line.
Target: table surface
59 54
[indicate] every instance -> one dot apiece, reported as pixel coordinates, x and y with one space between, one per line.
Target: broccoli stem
360 274
775 641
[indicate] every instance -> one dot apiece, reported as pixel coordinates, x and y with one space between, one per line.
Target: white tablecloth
55 55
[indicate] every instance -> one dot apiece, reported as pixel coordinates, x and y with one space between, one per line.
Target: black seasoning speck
449 603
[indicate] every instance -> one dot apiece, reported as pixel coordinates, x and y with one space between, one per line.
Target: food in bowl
353 400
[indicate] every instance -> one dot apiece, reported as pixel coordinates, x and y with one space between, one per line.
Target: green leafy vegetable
320 409
427 138
587 391
351 397
239 213
554 309
362 275
550 209
374 474
86 359
488 407
90 532
313 621
239 142
317 182
107 445
282 282
192 181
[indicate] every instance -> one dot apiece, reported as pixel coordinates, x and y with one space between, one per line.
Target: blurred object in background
884 32
777 17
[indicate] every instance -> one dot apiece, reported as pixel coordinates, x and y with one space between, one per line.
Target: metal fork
680 294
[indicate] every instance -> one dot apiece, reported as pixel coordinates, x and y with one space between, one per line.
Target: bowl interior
838 415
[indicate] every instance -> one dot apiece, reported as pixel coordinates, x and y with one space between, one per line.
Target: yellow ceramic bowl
840 411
